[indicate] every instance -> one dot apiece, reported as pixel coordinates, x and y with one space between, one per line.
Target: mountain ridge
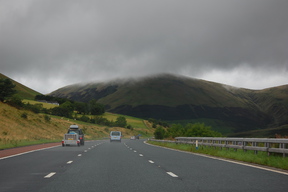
23 91
176 98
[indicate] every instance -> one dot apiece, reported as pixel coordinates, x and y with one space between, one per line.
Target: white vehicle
115 136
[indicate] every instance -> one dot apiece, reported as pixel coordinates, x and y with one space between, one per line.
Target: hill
18 131
23 91
182 99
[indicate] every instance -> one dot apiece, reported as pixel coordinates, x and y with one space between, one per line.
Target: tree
191 130
81 108
96 108
159 133
15 101
67 105
121 121
175 130
102 121
200 130
6 89
60 111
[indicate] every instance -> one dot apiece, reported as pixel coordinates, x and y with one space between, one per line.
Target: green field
45 105
134 121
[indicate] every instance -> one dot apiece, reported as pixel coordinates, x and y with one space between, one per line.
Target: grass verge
261 158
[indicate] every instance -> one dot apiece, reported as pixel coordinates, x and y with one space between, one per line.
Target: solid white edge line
230 161
28 152
50 175
172 174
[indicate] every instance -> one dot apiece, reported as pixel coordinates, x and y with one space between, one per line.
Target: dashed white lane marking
135 151
172 174
79 155
69 162
151 161
50 175
85 151
140 155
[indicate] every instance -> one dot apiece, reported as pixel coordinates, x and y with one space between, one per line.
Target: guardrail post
268 146
255 145
282 146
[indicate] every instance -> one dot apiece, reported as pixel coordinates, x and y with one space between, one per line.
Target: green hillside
182 99
18 131
165 90
23 91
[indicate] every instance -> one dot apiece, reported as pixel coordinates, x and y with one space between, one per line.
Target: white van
115 136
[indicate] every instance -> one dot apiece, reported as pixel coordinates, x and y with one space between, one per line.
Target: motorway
130 165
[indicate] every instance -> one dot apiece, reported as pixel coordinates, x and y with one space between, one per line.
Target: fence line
255 144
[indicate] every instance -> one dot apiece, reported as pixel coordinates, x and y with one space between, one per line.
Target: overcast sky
48 44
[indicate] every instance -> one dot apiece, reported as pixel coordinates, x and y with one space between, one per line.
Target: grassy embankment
16 130
261 158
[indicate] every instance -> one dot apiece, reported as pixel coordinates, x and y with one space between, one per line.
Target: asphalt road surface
130 165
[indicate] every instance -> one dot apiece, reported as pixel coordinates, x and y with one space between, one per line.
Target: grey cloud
70 41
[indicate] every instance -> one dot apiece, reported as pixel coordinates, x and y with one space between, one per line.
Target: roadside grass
261 158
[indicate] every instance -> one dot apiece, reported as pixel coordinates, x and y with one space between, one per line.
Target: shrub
102 121
24 115
159 133
84 118
47 118
129 127
15 101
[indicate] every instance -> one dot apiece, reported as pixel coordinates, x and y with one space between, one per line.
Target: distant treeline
67 106
73 109
50 98
189 130
120 121
156 122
